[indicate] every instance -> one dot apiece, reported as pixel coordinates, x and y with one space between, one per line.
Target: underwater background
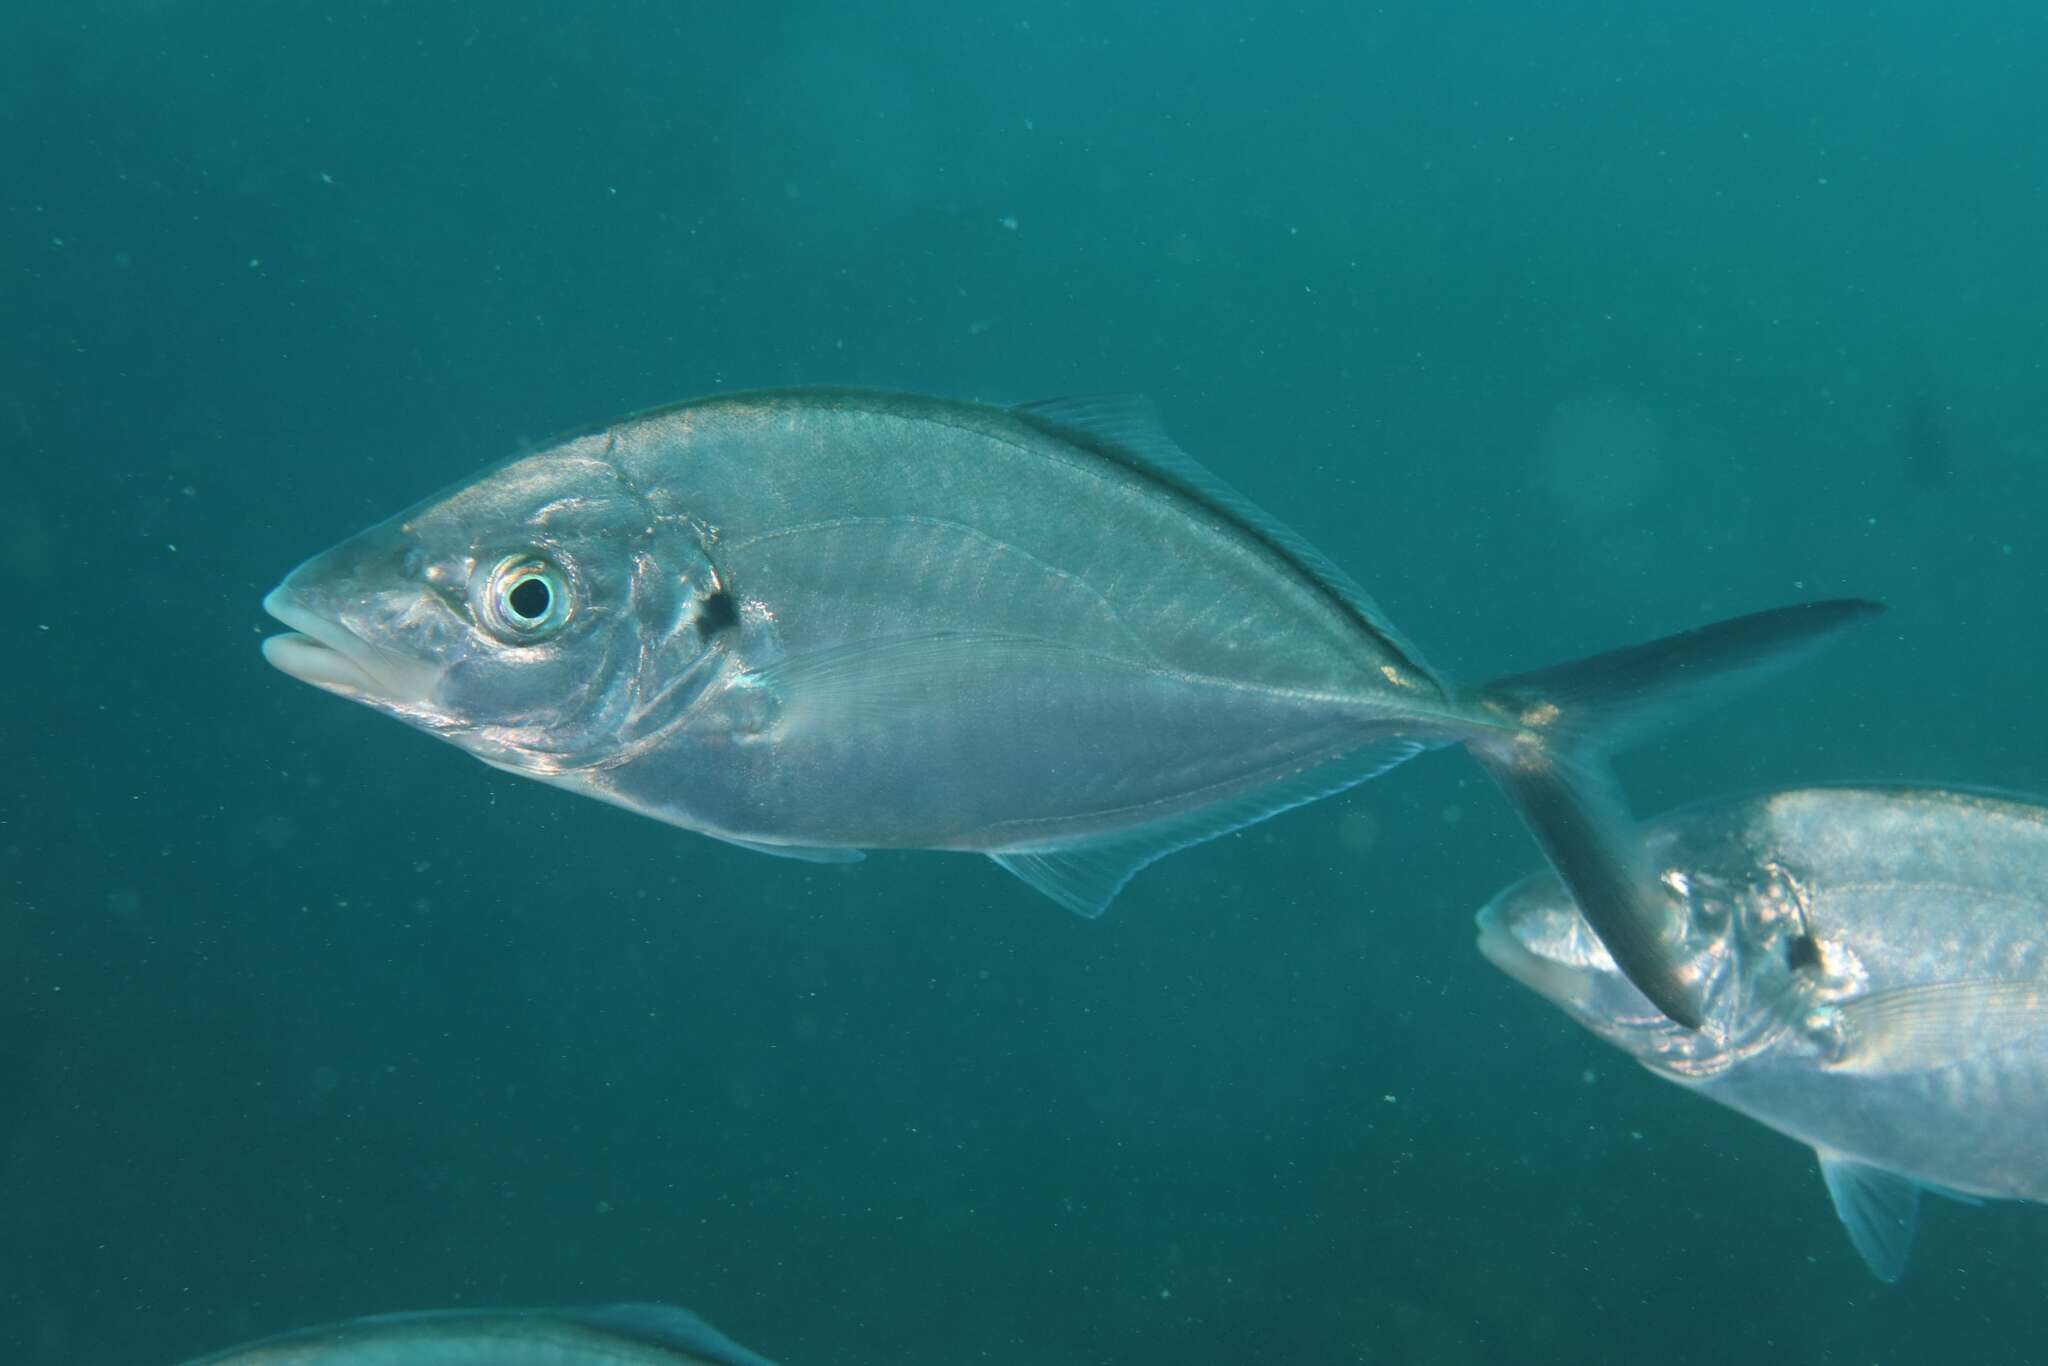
1560 325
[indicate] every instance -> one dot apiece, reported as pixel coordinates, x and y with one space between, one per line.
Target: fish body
611 1335
881 622
1876 986
815 622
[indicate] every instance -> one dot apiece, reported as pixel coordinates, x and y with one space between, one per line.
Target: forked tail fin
1550 756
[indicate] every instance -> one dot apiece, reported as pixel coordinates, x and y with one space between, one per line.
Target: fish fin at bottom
802 853
1880 1211
1085 878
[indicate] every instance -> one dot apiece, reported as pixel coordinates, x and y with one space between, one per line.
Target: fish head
542 617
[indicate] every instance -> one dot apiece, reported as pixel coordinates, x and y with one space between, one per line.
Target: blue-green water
1559 325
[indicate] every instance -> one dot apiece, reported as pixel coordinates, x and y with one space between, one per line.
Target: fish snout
338 608
1528 944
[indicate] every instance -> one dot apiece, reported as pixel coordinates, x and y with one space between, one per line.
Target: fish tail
1547 742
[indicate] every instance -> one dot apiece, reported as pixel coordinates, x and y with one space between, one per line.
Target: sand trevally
813 622
1876 971
610 1335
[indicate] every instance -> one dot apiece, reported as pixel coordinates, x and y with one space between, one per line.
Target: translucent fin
1085 878
661 1325
1556 724
1126 427
1913 1028
1575 811
1612 700
879 680
802 853
390 1336
1880 1211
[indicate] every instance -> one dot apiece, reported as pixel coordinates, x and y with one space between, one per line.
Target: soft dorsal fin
517 1333
663 1325
1127 428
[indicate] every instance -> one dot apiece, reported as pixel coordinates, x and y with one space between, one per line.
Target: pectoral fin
893 679
1879 1210
1912 1028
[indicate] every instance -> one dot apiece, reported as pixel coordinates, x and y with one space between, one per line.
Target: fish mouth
335 659
1497 944
1501 947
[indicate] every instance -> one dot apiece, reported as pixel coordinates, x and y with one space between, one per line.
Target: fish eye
529 598
526 599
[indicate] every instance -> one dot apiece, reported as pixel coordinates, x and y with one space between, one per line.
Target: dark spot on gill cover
1801 952
716 613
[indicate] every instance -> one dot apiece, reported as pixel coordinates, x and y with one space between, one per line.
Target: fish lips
1502 947
323 652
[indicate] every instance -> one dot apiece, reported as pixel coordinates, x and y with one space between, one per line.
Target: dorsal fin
399 1336
664 1325
1126 428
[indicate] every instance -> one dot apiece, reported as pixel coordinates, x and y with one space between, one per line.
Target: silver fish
611 1335
1876 986
813 622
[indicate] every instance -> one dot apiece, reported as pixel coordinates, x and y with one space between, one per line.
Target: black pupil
529 599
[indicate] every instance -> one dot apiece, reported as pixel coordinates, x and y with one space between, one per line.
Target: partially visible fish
1876 986
612 1335
819 621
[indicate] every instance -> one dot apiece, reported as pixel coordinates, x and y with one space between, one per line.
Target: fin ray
881 679
1914 1028
1127 428
802 853
1879 1210
664 1325
1619 697
1085 878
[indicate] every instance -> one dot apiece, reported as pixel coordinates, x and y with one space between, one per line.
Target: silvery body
612 1335
1876 969
815 622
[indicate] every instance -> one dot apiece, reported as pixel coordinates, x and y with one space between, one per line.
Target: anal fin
802 853
1085 877
1084 880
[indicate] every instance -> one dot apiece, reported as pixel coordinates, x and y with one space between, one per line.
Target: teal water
1560 326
